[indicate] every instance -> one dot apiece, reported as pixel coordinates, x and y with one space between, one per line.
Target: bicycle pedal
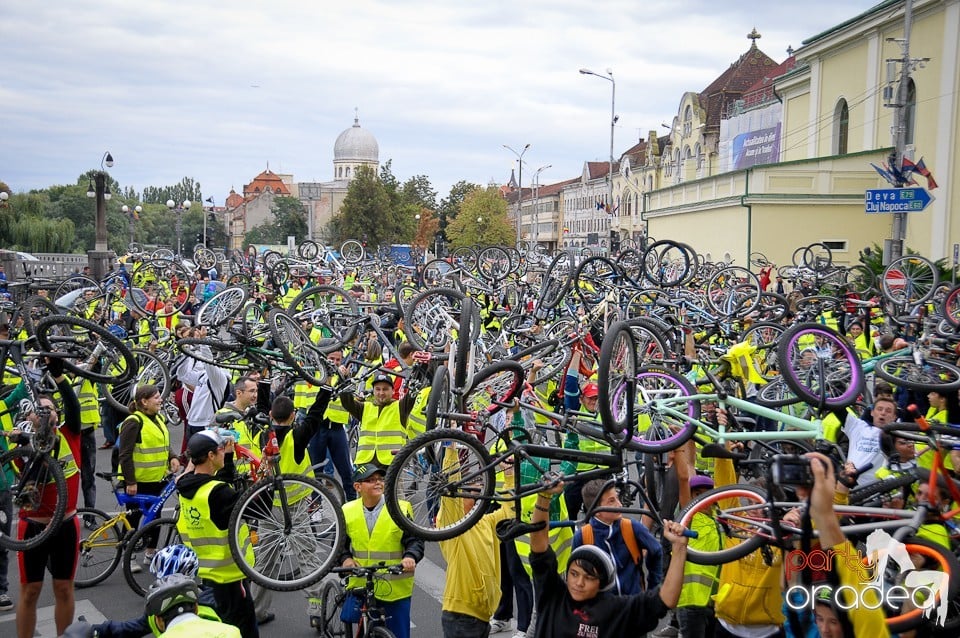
314 621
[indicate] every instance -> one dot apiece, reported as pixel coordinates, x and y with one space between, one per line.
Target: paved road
114 599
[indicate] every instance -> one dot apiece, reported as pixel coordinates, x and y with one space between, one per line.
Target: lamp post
519 155
613 120
536 205
480 230
172 205
4 196
132 214
99 190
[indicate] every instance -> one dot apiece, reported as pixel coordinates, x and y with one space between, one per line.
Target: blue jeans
88 467
513 578
332 440
398 617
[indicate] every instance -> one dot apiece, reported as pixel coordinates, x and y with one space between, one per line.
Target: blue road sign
897 200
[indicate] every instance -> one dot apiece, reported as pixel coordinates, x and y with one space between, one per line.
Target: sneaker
5 603
520 634
135 566
667 632
496 626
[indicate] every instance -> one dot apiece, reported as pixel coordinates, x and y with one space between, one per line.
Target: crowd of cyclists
345 367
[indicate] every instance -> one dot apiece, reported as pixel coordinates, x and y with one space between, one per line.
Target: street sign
897 200
895 280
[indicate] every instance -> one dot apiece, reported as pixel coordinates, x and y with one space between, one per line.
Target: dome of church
356 144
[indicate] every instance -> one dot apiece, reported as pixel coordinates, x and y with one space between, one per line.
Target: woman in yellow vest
144 453
381 541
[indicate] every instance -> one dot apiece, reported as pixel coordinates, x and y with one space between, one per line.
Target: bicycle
370 615
102 546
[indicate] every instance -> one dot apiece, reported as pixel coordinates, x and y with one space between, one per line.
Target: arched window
348 172
339 172
687 120
841 128
910 112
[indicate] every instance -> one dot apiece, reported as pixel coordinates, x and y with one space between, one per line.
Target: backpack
626 531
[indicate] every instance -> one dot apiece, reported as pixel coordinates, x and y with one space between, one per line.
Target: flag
599 205
210 200
923 170
885 174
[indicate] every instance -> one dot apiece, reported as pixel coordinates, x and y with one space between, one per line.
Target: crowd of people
614 575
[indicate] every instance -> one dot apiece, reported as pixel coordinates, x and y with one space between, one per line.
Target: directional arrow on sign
897 200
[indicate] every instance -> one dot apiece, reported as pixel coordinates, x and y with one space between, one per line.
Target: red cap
590 390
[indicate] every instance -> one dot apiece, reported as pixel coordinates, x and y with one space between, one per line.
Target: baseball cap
590 390
203 442
363 472
699 481
382 378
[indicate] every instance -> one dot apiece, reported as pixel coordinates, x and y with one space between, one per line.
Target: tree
450 205
418 190
187 189
365 214
493 228
289 218
426 229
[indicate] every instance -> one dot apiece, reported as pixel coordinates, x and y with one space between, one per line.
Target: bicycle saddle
511 528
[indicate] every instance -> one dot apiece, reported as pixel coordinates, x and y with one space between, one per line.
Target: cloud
215 91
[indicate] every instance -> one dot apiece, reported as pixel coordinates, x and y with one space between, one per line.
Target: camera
791 469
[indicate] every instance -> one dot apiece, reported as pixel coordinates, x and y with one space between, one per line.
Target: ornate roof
356 144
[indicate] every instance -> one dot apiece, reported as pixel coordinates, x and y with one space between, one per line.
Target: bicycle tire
150 370
776 394
223 306
817 257
151 273
765 336
308 250
380 632
315 521
868 492
222 354
947 562
329 624
933 374
438 401
466 257
494 264
592 276
704 504
650 344
733 291
424 330
166 536
22 490
465 338
423 484
556 281
617 376
950 308
909 280
34 309
493 387
352 251
653 383
667 264
296 348
100 548
74 336
820 366
330 309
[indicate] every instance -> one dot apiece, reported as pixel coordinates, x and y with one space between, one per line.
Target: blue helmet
175 559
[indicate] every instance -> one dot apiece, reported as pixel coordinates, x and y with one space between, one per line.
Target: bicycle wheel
84 342
909 280
733 291
331 310
556 281
222 306
466 335
654 431
151 370
38 473
165 530
296 528
776 394
427 318
666 263
494 386
440 468
593 278
739 511
764 337
617 377
296 348
352 251
932 374
494 264
439 400
649 344
34 309
380 632
308 250
215 352
817 257
935 558
820 366
465 257
950 308
159 276
329 624
100 547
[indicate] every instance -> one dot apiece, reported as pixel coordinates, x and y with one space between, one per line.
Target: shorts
58 554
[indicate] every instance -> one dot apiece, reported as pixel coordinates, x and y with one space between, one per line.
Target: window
841 128
687 120
910 112
835 244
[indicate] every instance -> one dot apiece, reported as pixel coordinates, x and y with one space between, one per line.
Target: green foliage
872 258
289 218
450 205
366 213
23 226
187 189
487 205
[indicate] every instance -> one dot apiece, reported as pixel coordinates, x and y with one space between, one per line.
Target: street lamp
536 205
99 190
172 205
613 121
480 230
519 181
4 196
132 214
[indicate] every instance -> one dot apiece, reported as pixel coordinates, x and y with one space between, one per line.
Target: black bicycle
335 595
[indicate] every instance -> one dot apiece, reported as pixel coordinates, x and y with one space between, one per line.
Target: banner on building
756 147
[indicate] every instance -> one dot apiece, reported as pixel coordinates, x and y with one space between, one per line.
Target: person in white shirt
211 387
864 448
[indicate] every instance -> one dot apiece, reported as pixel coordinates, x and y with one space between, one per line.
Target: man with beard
383 422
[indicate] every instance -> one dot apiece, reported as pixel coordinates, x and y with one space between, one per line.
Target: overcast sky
217 90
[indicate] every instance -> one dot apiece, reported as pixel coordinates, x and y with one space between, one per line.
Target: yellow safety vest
586 444
700 581
304 394
201 628
335 412
560 538
89 398
289 465
152 452
198 530
417 420
382 545
381 434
